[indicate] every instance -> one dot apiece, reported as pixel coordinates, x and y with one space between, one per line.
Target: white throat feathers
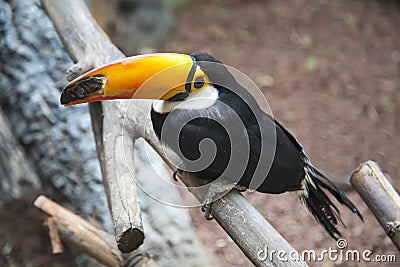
195 101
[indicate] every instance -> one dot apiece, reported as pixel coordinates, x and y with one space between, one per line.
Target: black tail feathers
319 204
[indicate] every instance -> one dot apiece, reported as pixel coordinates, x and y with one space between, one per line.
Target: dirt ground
330 71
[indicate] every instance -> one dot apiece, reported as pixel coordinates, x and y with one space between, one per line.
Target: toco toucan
202 111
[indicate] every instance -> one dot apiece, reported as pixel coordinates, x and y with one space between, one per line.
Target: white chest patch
196 100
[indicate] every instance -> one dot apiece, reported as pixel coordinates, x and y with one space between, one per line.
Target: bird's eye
199 82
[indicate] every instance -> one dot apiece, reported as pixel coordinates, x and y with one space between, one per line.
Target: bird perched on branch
216 127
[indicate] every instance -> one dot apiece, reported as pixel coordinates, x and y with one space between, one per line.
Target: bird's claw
206 208
217 188
177 171
240 188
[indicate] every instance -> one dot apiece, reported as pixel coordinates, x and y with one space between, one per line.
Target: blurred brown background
330 71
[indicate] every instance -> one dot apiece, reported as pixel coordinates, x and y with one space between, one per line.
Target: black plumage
290 169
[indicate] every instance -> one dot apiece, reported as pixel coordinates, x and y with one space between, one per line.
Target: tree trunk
59 141
17 177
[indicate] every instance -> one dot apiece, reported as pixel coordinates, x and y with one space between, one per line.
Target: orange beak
153 76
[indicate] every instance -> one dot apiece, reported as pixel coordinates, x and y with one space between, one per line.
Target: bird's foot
217 188
178 170
240 188
206 208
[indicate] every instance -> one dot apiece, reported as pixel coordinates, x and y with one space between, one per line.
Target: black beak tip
69 94
83 88
63 99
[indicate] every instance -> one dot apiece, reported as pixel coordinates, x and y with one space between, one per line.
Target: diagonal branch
88 238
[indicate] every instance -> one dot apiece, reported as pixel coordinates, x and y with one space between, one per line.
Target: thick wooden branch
17 177
380 196
240 220
83 235
80 233
89 46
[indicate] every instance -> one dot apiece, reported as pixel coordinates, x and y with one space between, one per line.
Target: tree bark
17 176
59 141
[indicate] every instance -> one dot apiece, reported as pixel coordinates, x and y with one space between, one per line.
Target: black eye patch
199 82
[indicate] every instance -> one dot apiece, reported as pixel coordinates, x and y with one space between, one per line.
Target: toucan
215 125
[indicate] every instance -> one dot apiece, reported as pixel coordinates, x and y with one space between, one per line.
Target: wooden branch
55 240
380 196
86 237
251 232
17 177
80 233
242 222
89 46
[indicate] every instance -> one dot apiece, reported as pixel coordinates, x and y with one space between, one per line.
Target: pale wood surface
80 233
67 226
89 47
380 196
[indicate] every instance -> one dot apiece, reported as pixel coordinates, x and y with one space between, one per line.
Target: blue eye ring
198 83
